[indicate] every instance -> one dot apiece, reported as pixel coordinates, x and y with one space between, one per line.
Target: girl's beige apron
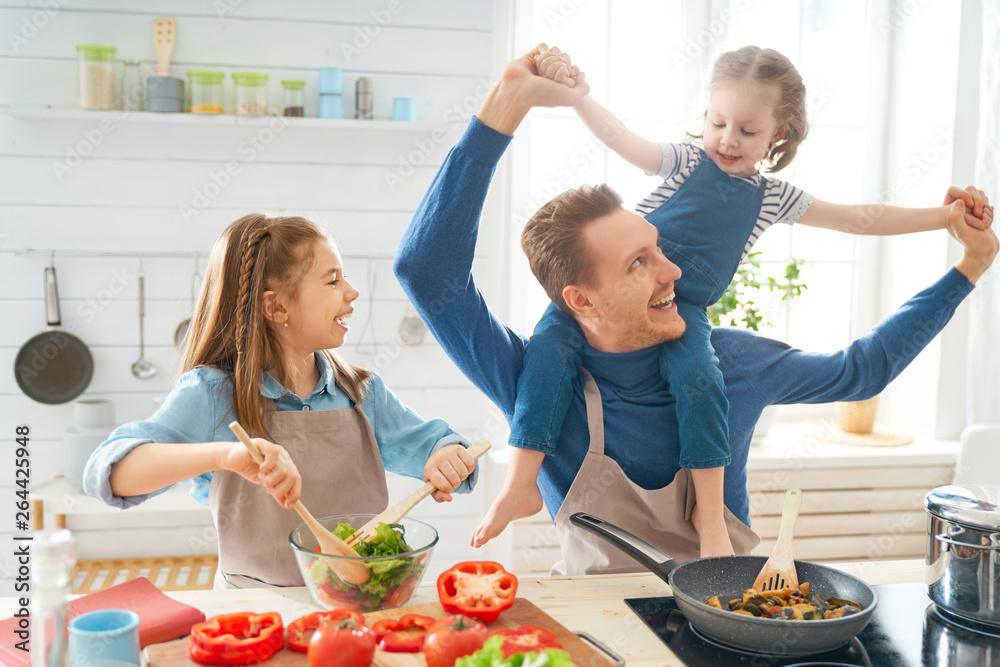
336 453
661 517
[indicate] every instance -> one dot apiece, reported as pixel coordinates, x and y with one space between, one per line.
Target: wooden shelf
49 112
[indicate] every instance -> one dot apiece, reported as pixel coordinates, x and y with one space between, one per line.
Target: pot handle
52 315
956 543
644 552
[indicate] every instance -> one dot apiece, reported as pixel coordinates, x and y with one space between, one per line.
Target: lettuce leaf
490 655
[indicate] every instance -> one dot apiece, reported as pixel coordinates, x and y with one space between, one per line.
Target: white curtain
984 336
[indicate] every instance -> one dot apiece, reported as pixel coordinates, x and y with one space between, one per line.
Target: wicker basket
858 416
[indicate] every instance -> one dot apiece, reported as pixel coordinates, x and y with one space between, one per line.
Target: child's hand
979 213
446 468
556 65
276 473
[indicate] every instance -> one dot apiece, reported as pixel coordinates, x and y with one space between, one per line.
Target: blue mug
404 108
104 637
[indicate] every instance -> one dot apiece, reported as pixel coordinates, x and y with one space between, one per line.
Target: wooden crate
170 573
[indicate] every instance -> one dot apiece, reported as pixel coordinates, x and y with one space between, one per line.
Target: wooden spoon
352 571
396 512
779 570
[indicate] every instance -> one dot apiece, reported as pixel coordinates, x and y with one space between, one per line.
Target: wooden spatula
164 35
353 572
779 570
396 512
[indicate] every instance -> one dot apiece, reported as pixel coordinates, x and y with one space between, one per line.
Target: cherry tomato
452 637
343 644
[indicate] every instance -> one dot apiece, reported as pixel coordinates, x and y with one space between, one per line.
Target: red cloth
161 618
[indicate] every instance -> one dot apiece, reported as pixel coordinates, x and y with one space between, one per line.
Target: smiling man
618 453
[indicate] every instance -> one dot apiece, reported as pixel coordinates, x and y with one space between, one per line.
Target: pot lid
974 505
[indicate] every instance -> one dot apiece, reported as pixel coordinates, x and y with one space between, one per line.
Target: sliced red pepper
300 630
392 637
478 589
525 639
243 638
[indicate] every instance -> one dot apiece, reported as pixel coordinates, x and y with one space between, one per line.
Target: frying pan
696 581
54 366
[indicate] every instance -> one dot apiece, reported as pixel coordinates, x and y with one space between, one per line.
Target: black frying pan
696 581
54 366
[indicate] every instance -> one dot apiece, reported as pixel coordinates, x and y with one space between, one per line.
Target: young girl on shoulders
274 305
713 204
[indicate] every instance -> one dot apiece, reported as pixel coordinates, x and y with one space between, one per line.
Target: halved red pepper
242 638
478 589
300 630
525 639
392 637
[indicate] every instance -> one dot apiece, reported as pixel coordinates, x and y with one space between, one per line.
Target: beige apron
336 453
661 517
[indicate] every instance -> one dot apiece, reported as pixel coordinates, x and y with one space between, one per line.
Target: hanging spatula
164 36
396 512
779 570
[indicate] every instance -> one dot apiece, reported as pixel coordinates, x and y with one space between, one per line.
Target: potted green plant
740 306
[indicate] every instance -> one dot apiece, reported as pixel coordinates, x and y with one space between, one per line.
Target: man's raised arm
434 260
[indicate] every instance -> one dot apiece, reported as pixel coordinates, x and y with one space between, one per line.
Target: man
617 456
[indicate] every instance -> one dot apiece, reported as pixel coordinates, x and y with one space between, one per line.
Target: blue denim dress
704 227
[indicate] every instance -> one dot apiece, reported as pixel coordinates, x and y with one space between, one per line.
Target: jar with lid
97 80
295 97
205 87
251 93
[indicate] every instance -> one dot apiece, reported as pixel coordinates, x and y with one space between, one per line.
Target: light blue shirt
200 408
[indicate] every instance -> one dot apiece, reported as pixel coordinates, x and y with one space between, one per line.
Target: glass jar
205 87
295 97
131 92
97 79
251 93
54 557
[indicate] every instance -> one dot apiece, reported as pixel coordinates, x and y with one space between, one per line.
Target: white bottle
53 558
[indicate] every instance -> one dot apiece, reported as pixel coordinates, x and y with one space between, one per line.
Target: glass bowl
394 578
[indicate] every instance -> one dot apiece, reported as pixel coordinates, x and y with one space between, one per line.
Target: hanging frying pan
55 366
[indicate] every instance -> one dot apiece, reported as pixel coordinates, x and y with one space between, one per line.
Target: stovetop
906 630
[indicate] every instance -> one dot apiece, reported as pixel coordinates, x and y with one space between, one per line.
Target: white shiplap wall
135 189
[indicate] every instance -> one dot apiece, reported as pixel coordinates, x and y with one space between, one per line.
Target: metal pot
963 550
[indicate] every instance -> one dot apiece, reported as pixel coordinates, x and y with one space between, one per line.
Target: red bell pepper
242 638
300 630
391 636
478 589
525 639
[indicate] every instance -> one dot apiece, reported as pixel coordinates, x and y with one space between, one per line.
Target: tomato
452 637
301 629
346 643
331 597
402 593
525 639
405 635
478 589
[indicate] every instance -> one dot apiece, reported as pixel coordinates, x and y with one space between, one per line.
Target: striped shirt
783 202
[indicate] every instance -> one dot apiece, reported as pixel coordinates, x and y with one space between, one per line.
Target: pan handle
652 558
52 315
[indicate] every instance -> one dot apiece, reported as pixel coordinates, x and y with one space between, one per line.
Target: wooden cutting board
524 612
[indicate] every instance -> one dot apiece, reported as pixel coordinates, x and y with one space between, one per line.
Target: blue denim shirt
199 409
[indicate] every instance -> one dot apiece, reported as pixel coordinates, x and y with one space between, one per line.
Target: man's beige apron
661 517
336 453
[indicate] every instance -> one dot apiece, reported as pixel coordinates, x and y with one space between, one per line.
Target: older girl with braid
273 307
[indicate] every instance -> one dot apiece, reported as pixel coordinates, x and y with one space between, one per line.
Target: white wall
79 185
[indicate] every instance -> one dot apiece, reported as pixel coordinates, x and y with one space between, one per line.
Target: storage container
97 80
295 97
205 88
251 93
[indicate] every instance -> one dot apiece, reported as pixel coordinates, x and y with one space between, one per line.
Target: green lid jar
251 93
295 97
97 82
205 86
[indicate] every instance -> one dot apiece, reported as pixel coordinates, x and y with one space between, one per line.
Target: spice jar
205 87
251 93
97 81
295 97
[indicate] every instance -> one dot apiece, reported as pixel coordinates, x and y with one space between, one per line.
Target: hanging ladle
143 369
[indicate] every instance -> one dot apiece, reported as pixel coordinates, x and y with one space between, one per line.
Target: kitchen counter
594 604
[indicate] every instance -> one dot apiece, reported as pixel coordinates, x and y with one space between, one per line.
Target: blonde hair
753 64
552 238
228 328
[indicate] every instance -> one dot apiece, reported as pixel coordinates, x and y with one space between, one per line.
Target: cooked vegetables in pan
789 603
